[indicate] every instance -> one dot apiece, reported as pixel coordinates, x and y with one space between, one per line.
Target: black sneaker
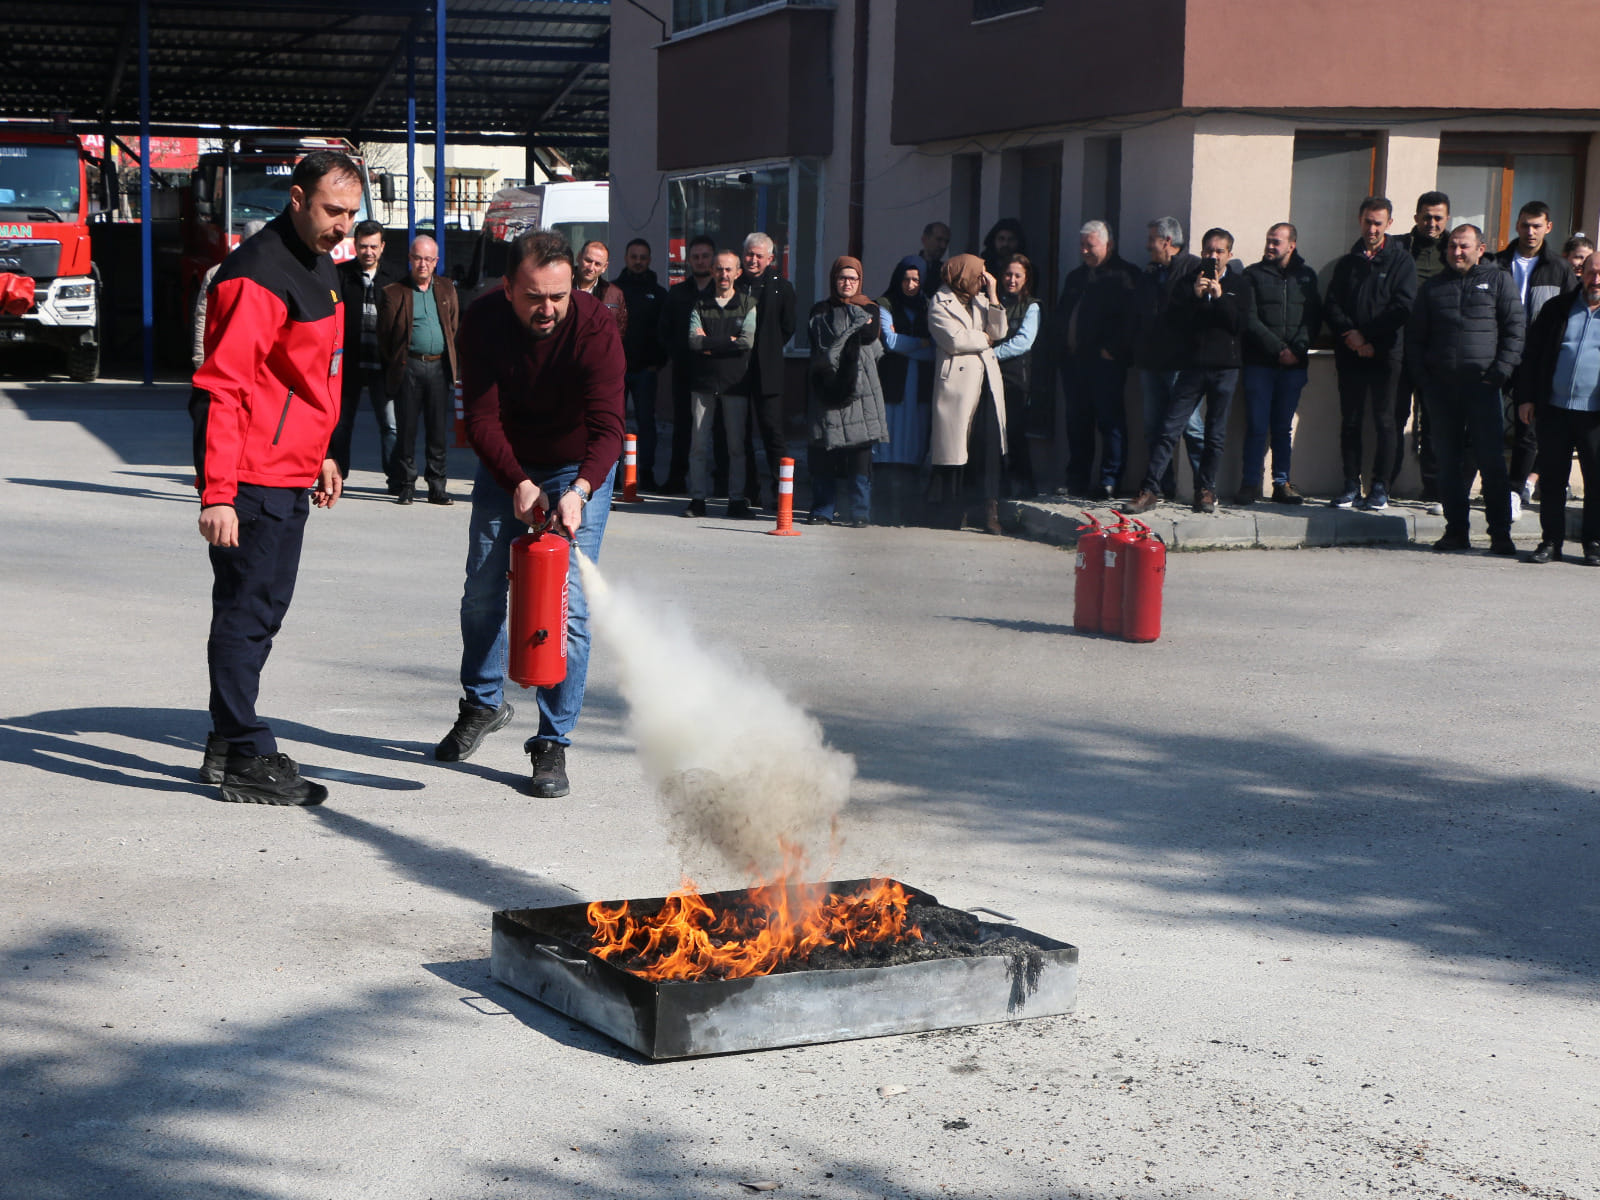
1348 497
696 508
1377 498
268 779
738 508
1248 494
406 494
549 779
1545 552
215 762
473 724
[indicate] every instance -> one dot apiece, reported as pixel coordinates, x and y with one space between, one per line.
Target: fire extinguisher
538 606
1114 578
1141 597
1089 575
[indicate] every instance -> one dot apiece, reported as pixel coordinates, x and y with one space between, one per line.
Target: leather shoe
440 498
1142 503
405 495
1545 551
1591 554
1453 541
1500 544
1205 501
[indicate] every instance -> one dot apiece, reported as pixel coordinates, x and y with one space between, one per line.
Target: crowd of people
927 387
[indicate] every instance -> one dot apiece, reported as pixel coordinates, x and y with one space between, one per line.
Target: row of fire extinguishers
1119 576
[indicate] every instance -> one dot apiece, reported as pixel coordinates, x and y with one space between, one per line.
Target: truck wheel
83 363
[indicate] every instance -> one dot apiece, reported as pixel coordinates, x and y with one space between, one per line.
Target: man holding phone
1209 315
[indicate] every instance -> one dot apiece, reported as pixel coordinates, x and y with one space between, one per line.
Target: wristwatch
581 494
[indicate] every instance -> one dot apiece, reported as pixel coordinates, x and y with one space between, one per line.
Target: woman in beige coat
965 319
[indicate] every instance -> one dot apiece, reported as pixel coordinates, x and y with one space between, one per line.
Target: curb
1264 526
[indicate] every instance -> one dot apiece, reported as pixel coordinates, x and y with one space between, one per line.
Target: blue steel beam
439 127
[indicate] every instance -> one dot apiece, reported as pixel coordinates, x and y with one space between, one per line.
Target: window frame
1507 147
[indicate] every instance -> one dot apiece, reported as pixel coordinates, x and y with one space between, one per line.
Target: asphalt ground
1328 849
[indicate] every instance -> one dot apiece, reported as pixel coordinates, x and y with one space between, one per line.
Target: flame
782 922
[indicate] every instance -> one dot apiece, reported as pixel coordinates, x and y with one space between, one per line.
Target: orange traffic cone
785 500
630 469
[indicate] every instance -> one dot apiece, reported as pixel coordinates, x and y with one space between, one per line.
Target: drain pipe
858 129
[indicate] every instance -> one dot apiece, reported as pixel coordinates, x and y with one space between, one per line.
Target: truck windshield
261 191
41 180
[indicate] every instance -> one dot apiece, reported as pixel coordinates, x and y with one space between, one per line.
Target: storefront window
778 199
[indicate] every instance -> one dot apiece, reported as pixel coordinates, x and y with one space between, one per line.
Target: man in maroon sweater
542 381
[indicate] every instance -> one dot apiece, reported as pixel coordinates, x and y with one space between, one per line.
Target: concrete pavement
1328 849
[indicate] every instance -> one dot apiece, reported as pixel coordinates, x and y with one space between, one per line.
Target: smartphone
1212 269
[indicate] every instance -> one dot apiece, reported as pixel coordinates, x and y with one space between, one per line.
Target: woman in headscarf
1001 242
907 378
845 400
1015 352
965 319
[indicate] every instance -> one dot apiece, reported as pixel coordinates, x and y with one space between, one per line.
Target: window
1333 174
779 199
988 10
1489 177
966 199
691 14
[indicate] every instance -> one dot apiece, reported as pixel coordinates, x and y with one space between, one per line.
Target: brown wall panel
1479 54
1065 61
755 89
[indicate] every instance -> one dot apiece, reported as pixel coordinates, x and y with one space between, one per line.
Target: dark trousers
251 586
1459 410
1561 433
1213 385
1408 406
641 387
1094 392
1525 452
368 384
1019 460
682 424
425 389
1368 383
768 413
986 461
827 467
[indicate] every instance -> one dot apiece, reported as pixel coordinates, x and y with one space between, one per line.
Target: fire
782 922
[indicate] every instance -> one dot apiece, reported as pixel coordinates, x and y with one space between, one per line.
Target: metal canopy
518 71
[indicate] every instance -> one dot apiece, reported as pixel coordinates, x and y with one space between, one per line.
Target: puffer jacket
1285 311
844 403
1373 295
1466 328
1551 276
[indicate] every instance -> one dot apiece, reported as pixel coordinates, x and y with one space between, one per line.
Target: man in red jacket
542 381
265 404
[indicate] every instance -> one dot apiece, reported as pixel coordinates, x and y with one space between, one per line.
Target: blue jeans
1271 396
826 467
1157 389
641 387
483 601
1094 388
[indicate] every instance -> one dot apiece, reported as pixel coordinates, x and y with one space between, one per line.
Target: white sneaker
1516 506
1436 509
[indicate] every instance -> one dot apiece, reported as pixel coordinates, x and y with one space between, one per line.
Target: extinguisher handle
548 525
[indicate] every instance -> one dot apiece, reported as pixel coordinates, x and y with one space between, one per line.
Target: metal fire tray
536 951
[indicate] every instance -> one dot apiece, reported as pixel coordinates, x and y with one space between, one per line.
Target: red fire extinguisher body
1088 576
1141 604
1114 578
538 610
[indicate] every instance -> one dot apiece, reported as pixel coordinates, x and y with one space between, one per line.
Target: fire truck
44 234
247 181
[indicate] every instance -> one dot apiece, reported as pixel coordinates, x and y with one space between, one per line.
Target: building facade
847 126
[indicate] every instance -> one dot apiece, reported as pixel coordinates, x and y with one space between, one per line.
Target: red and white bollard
630 468
785 526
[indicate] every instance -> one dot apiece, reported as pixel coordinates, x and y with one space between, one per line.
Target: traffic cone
785 500
630 469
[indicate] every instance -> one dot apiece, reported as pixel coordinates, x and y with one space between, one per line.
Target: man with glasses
417 322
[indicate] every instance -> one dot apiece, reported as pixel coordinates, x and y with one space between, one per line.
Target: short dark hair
542 247
367 229
1535 208
932 225
1294 234
1216 233
1429 199
1473 229
703 239
638 242
319 164
1373 203
1576 242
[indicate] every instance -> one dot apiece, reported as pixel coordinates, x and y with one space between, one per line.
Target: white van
580 211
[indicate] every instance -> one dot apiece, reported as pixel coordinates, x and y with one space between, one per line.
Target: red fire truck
247 182
44 234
